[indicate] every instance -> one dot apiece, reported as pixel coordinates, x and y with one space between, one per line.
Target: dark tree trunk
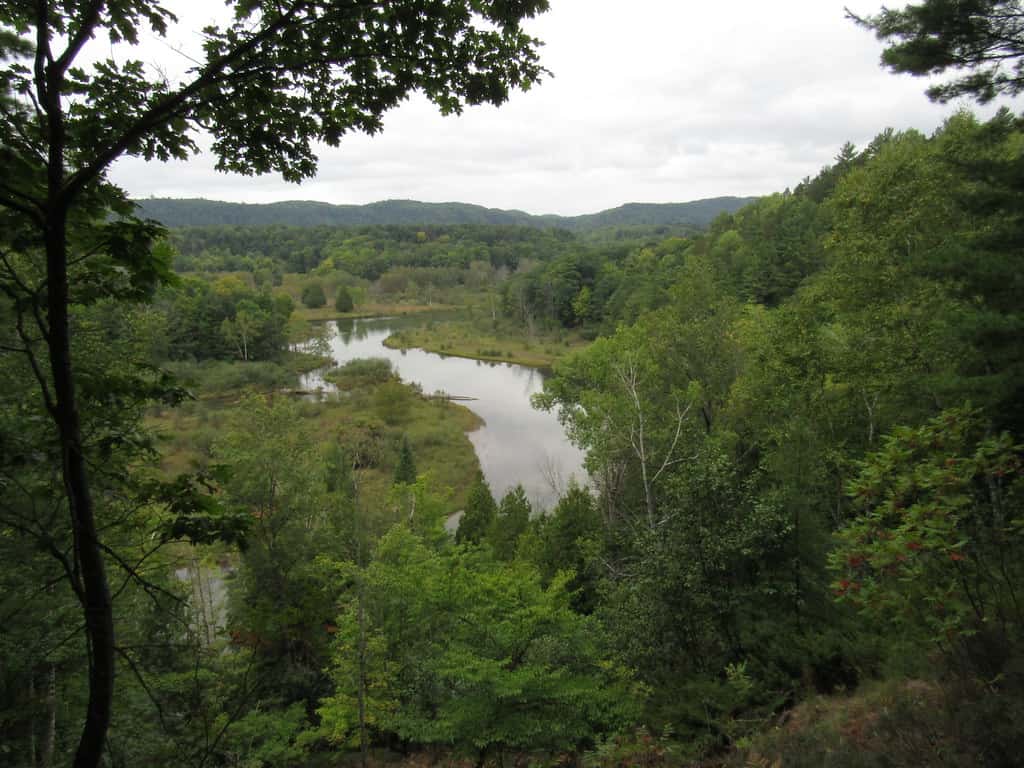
90 575
94 590
363 741
50 737
32 719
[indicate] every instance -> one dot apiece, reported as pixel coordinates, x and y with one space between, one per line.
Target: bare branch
145 686
151 589
680 417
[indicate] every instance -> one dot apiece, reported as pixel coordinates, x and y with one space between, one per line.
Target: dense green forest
803 539
202 213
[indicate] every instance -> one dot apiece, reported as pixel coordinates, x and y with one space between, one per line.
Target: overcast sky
651 101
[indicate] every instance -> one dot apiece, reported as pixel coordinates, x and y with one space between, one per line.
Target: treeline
363 251
205 213
762 251
225 318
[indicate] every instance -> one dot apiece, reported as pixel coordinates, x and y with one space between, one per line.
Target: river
516 444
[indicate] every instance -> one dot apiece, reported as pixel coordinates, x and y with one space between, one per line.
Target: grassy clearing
293 283
370 421
465 339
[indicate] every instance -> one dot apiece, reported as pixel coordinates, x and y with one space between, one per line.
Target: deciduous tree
270 83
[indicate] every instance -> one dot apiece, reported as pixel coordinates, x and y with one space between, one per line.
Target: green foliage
313 295
422 507
267 739
147 519
220 376
787 376
280 604
479 515
937 539
722 437
362 373
392 401
570 540
467 651
511 521
765 250
70 240
359 253
222 319
428 218
405 470
343 299
190 512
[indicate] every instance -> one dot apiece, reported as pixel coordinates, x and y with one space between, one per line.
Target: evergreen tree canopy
405 471
983 39
343 300
479 515
313 295
510 523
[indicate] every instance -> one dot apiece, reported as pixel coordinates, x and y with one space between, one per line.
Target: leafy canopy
276 79
462 649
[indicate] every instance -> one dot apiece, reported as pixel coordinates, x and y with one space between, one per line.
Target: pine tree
313 296
981 40
343 300
480 514
405 472
510 523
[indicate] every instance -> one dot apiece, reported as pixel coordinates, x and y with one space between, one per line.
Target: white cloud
654 100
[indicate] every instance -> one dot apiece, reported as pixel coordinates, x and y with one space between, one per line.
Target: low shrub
220 376
360 373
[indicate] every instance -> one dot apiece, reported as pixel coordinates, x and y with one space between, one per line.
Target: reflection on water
517 443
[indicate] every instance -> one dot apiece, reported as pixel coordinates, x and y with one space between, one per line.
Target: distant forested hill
198 213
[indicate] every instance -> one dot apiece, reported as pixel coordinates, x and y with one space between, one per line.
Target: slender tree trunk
50 740
32 719
94 589
361 618
89 573
648 495
364 746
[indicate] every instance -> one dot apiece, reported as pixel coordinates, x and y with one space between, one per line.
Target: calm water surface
517 444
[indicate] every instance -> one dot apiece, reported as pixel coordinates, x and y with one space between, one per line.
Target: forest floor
895 722
464 338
